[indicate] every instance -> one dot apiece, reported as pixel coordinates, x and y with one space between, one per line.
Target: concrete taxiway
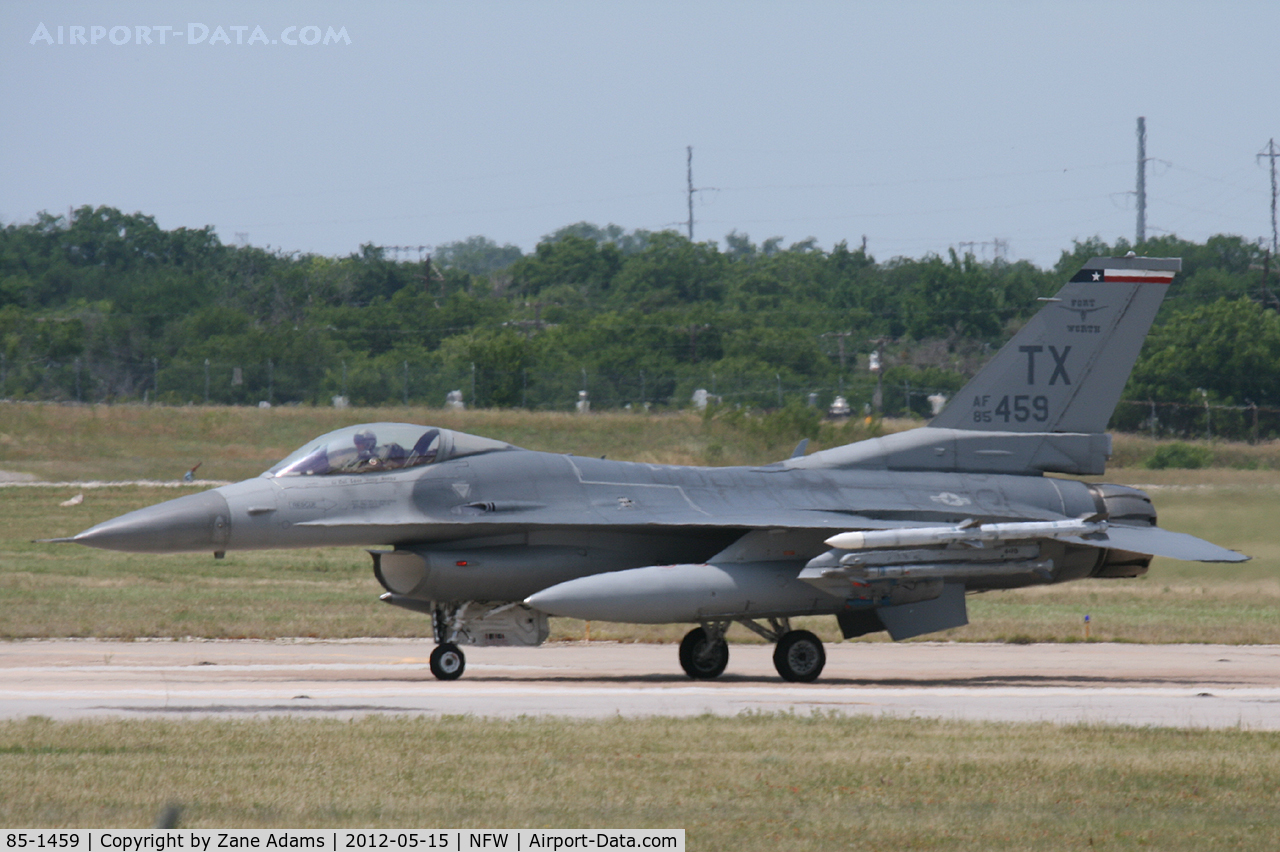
1164 685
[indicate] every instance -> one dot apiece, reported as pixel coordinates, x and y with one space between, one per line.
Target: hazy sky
921 125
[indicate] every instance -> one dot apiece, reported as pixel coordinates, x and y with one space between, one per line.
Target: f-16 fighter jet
890 534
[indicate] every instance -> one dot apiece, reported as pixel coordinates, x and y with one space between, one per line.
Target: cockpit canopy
380 448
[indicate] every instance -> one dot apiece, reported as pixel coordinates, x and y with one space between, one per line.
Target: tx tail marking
1059 363
1031 352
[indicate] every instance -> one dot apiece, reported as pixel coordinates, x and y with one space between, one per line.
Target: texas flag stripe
1138 276
1125 276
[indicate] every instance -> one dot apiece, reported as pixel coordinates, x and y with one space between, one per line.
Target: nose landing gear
448 662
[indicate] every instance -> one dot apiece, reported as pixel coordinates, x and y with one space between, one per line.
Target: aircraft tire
694 642
447 662
799 656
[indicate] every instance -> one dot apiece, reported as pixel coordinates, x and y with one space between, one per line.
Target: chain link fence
430 381
1251 423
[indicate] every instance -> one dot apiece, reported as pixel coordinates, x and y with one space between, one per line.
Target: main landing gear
798 655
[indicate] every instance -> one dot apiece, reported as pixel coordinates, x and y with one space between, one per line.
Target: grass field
741 784
64 590
48 591
76 443
131 442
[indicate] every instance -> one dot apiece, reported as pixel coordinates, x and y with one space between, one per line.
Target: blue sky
920 125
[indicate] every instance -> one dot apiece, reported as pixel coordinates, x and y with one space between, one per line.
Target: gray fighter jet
886 534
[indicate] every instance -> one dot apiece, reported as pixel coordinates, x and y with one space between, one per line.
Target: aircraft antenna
1142 181
1271 153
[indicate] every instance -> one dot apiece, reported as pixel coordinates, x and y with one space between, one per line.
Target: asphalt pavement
1211 686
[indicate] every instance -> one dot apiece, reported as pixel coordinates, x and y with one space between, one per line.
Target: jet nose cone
192 523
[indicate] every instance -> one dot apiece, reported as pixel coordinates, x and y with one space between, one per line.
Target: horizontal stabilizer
1155 541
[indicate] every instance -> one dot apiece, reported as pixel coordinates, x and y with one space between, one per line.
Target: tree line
101 305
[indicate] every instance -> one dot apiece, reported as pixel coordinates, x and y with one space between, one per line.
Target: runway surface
1165 685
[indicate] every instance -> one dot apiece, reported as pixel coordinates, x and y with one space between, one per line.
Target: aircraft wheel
447 662
799 657
700 659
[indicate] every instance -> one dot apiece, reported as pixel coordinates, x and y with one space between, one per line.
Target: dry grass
741 784
122 442
48 591
1132 450
126 442
63 590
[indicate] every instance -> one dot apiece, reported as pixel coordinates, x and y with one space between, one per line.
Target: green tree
1231 349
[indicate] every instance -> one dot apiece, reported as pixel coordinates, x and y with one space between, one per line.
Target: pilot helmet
365 440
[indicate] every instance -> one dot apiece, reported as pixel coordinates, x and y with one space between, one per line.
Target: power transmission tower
1271 153
407 251
689 177
688 223
1142 181
999 248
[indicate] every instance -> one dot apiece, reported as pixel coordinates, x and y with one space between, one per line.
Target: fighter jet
888 534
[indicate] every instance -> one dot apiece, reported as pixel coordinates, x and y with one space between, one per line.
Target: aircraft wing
1160 542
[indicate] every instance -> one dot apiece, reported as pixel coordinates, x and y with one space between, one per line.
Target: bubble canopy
379 448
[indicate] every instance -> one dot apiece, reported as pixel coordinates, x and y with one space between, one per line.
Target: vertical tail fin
1065 370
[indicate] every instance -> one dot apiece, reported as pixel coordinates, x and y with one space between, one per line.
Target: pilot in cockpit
357 450
370 457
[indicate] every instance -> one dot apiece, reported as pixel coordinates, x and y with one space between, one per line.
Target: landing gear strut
704 653
447 660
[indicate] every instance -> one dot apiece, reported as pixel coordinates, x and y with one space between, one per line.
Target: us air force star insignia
948 499
1097 276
